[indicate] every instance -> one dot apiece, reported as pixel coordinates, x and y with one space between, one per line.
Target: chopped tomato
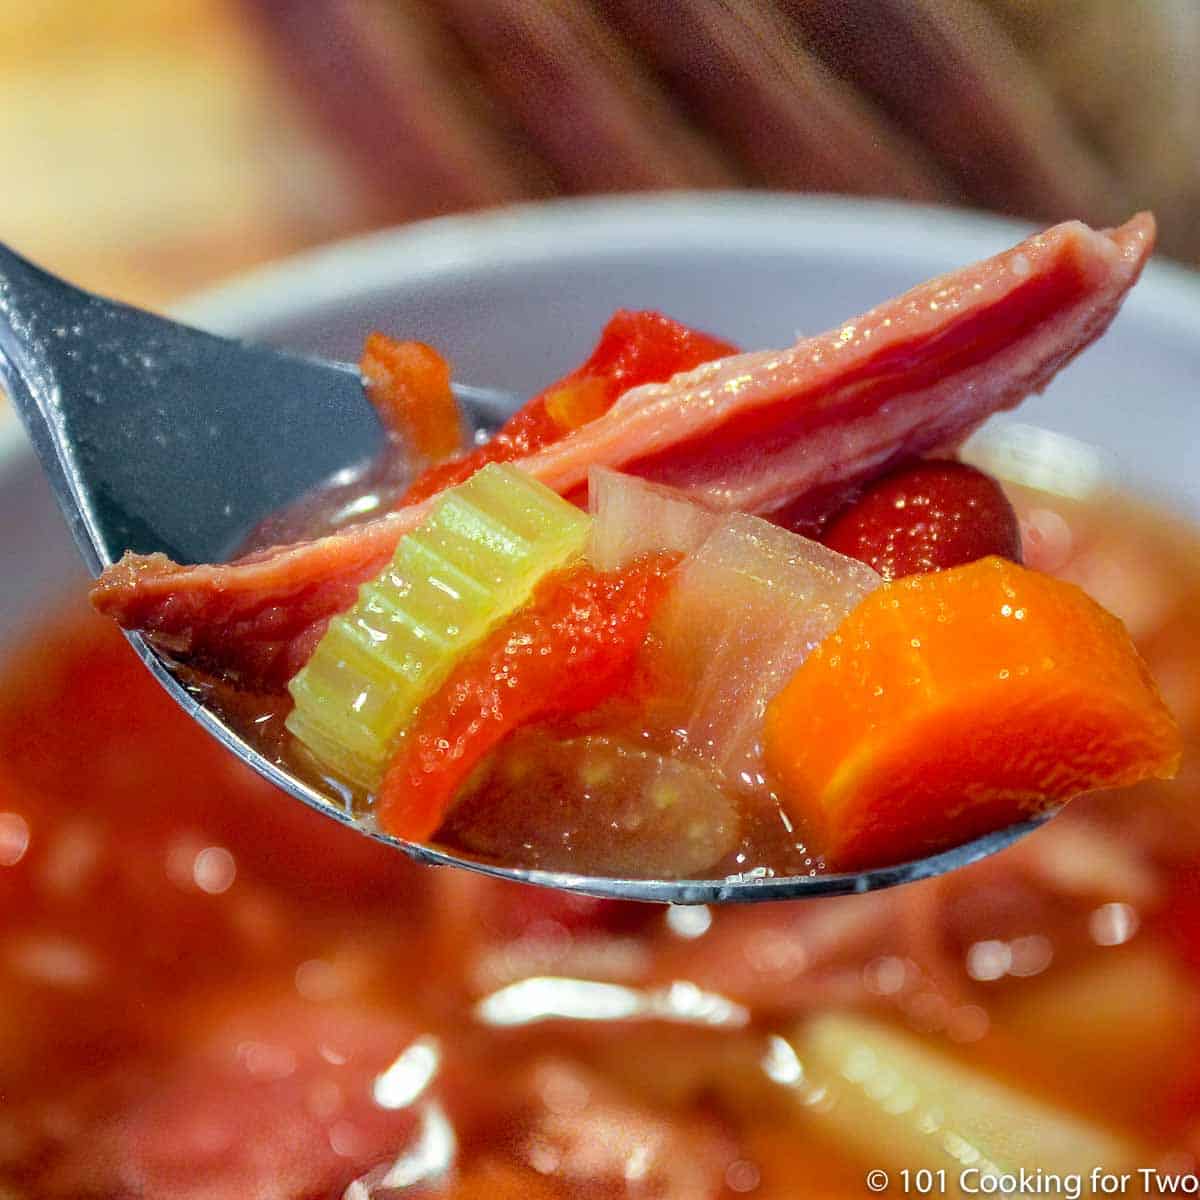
573 646
634 348
927 516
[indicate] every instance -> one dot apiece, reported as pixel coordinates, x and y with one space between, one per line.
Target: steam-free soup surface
208 991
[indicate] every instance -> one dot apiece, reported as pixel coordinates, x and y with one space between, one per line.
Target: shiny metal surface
153 437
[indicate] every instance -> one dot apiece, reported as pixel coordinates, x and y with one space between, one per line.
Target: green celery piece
475 559
893 1102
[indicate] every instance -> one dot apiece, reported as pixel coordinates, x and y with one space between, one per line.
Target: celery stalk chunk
892 1102
475 559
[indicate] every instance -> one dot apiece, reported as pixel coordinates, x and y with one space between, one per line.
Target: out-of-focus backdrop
147 148
152 146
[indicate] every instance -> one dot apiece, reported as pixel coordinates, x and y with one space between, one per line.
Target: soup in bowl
210 991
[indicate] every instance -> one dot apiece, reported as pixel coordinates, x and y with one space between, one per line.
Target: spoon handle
157 436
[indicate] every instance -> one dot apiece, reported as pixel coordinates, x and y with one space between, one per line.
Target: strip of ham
757 431
254 621
753 432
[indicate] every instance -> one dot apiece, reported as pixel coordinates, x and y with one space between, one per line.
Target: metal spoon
156 436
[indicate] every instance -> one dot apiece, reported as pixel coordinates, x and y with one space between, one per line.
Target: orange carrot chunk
951 704
409 385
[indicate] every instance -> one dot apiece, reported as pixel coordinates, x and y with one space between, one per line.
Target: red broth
207 991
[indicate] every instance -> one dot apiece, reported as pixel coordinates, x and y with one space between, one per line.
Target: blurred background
153 146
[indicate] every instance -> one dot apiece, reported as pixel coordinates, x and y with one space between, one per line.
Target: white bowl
516 297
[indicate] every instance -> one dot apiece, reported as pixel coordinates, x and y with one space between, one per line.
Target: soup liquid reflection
207 990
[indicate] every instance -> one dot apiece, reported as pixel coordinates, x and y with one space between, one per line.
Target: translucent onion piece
632 517
747 608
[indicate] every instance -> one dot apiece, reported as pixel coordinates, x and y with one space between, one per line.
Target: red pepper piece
634 348
573 646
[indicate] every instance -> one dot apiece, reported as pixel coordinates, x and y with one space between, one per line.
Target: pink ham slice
254 621
753 431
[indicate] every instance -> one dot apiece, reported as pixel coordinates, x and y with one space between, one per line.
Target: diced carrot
574 645
951 704
409 385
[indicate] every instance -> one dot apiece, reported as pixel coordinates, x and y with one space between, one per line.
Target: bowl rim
593 227
351 268
588 226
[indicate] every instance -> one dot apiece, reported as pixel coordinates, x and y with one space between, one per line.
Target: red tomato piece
927 516
634 348
573 646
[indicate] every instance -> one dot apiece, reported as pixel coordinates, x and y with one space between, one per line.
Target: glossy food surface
927 517
207 993
952 703
477 556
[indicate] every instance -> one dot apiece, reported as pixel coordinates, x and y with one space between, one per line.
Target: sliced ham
753 431
757 431
254 621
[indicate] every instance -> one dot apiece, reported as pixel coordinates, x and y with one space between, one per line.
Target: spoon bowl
152 436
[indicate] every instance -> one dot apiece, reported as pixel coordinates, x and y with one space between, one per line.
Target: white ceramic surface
517 296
